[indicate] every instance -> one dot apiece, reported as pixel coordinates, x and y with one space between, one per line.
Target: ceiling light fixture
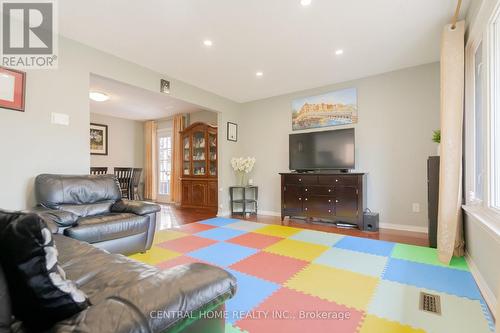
259 74
305 2
98 96
339 52
208 42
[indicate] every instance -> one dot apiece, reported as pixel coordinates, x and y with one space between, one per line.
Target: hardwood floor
172 216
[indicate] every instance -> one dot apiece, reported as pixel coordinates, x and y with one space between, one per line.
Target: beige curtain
177 158
150 163
450 230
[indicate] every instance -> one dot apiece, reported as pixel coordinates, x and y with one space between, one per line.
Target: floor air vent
430 303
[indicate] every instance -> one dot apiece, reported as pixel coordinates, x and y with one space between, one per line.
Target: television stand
332 196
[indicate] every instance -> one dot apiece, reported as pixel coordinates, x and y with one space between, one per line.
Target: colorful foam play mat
297 280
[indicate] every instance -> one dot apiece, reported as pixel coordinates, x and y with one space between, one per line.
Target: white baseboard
223 213
269 213
403 227
487 293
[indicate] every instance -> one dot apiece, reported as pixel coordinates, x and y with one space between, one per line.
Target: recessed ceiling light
339 52
305 2
208 42
259 74
98 96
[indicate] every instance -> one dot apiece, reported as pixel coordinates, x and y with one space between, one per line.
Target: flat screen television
327 150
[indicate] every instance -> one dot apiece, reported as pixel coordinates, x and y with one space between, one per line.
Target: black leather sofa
128 296
91 209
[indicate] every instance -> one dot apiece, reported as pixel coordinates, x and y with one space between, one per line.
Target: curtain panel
151 161
450 228
177 159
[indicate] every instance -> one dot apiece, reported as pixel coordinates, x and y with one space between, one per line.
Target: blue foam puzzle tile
251 292
222 254
219 221
377 247
220 234
447 280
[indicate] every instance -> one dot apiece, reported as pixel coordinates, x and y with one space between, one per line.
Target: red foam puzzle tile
293 312
270 267
254 240
193 228
187 244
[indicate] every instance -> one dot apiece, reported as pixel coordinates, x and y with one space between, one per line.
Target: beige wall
397 113
31 145
125 143
207 117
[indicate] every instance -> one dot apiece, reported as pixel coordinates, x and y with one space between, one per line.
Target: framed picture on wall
12 89
98 139
232 132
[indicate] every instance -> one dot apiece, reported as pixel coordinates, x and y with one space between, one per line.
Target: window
494 136
482 124
479 171
165 162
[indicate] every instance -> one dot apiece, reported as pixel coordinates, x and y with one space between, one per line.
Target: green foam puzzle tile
426 255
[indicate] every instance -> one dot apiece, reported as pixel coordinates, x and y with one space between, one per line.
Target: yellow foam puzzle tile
297 249
155 255
336 285
166 235
278 231
374 324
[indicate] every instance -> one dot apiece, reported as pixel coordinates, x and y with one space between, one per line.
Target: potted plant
436 137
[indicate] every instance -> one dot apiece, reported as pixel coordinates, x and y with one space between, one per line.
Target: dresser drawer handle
300 199
305 208
300 179
305 190
336 180
329 190
329 200
329 211
336 201
305 199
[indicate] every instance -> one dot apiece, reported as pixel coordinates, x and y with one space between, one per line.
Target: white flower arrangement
242 164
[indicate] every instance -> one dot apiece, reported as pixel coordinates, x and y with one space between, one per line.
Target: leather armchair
128 296
90 208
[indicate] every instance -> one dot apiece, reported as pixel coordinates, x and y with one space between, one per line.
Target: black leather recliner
90 208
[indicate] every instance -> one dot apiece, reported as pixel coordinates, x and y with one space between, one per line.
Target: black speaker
370 221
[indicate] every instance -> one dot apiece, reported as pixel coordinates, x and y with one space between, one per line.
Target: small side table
246 196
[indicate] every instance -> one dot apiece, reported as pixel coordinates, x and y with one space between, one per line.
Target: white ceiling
135 103
292 45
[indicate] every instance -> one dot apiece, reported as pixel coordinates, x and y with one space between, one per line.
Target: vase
242 178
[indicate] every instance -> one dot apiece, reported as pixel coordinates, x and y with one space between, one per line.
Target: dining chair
98 170
136 179
124 177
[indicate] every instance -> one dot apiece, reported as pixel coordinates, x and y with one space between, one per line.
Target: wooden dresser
332 197
199 167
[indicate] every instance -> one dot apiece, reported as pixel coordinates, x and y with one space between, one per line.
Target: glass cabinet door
199 158
212 152
186 165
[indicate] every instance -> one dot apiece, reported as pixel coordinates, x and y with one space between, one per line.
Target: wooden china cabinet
199 166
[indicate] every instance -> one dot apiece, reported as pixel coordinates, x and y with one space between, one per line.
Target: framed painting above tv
332 109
